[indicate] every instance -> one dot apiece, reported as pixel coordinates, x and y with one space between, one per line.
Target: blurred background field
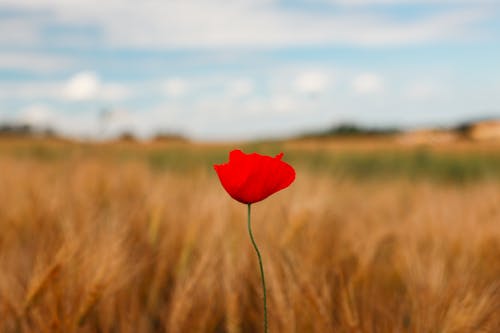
113 112
359 158
373 236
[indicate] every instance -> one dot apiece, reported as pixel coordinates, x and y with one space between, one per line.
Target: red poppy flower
250 178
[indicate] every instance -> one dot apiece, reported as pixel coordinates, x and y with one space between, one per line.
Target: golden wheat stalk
39 285
90 301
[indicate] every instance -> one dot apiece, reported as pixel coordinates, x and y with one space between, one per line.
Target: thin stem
261 269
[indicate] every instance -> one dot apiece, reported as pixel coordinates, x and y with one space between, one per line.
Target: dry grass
88 244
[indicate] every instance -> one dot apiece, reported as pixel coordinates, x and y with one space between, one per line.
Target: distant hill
350 130
484 129
169 137
23 130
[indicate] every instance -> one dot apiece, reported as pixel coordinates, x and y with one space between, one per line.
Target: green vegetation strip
414 164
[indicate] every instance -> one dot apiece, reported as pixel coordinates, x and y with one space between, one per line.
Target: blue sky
218 69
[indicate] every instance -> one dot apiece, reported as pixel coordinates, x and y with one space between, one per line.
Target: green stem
261 269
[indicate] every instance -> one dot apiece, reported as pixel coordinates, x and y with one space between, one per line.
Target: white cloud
28 91
283 104
175 87
86 85
82 86
37 63
368 83
115 115
20 32
114 92
71 90
42 116
37 115
71 124
243 23
311 82
416 2
422 91
192 25
240 87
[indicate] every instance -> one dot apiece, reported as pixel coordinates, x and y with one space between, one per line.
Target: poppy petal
249 178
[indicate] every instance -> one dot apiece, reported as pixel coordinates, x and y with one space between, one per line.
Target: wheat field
93 243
